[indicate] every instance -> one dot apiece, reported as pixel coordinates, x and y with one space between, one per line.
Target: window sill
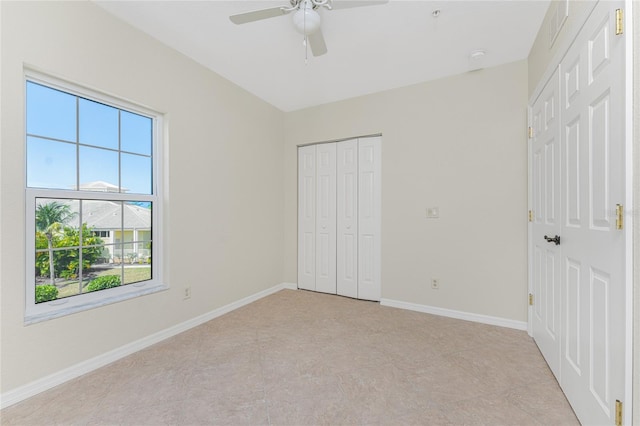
33 319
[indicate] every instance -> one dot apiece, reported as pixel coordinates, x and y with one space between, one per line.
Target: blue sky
63 128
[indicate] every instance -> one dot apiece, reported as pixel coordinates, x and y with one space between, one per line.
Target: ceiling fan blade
317 44
257 15
347 4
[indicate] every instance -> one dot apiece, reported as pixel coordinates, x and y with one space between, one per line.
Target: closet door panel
347 218
369 223
546 186
326 218
307 217
593 346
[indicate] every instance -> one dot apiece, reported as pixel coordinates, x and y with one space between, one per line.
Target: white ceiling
371 48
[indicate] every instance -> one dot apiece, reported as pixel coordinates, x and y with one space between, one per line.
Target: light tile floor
302 358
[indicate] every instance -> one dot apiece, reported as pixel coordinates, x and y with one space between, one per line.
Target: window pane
135 267
116 264
101 258
137 218
137 273
57 223
135 133
98 124
50 164
116 255
50 113
101 274
102 215
64 280
136 174
98 170
137 229
144 248
144 235
93 254
129 253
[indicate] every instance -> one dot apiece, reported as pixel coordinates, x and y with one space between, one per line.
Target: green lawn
131 275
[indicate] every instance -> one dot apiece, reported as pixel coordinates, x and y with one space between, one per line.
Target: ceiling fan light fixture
306 20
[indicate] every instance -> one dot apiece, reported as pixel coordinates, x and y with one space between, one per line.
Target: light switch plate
433 212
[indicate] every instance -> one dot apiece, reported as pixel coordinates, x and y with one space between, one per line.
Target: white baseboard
30 389
289 286
467 316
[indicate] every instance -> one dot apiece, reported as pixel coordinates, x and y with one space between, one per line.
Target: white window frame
56 308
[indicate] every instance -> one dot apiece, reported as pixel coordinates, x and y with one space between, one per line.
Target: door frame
630 181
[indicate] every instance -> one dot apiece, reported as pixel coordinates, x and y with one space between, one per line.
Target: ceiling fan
306 19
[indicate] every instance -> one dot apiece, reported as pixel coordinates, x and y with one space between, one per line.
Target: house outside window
93 198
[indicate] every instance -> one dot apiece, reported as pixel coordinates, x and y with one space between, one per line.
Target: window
93 199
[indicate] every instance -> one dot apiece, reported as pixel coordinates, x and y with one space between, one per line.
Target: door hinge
530 299
619 21
530 215
530 132
618 412
619 216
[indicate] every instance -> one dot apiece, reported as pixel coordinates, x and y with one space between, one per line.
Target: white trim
630 208
289 286
529 222
30 389
467 316
96 302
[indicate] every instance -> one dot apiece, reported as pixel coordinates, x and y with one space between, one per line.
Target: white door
593 250
369 221
546 188
326 218
339 218
307 217
347 218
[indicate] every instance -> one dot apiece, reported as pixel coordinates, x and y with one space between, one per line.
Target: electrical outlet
187 293
435 283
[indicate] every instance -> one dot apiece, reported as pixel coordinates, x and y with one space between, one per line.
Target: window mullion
119 151
122 255
77 143
81 244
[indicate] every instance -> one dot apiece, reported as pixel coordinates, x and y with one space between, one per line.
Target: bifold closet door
369 222
307 217
347 218
339 218
326 218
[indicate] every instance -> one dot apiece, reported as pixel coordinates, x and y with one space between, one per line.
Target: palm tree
49 219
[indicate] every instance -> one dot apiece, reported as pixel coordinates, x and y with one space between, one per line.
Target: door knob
555 239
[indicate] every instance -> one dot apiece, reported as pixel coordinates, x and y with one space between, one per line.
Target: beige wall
542 54
456 143
224 229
